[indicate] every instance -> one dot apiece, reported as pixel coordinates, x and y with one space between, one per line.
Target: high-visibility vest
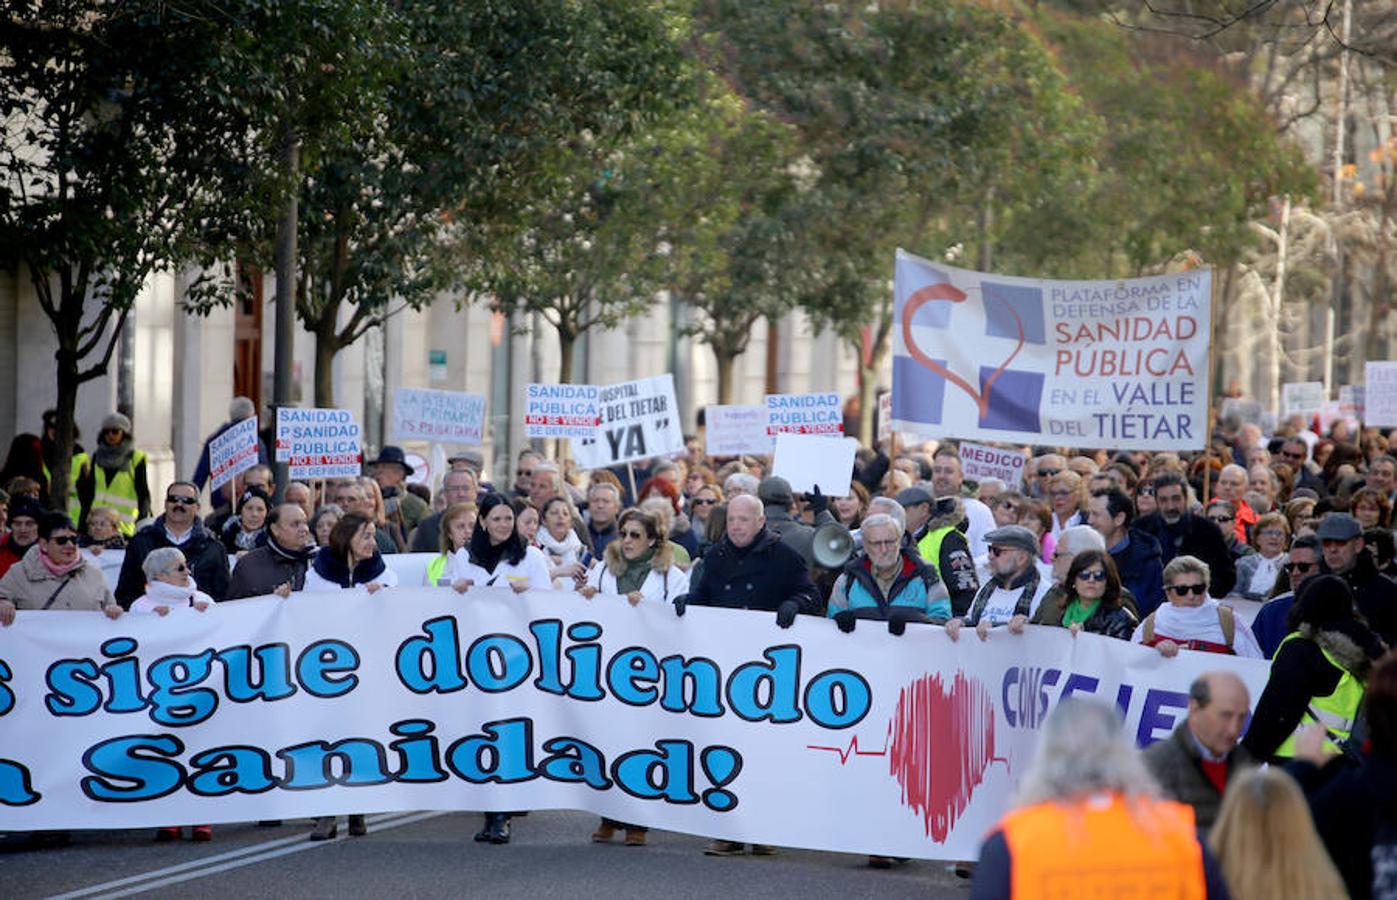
1104 846
1336 711
435 568
119 494
929 547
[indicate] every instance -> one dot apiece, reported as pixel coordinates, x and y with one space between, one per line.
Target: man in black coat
1375 595
178 527
1181 533
279 566
1136 554
752 569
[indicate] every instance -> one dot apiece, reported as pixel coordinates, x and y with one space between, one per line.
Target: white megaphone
832 546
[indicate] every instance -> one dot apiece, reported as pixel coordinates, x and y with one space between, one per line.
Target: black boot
496 830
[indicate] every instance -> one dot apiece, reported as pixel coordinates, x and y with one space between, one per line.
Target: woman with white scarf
170 586
560 542
1257 572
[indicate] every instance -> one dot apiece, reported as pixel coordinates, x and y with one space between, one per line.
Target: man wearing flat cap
391 470
1015 588
1341 539
936 528
777 503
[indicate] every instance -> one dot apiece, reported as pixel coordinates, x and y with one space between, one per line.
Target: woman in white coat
639 564
503 553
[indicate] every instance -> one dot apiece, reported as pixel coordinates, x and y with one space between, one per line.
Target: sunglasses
177 569
524 473
1300 566
1048 473
1183 590
701 501
1220 519
63 540
997 551
634 535
1145 492
1098 575
183 501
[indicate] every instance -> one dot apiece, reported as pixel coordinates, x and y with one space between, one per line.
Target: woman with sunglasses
54 575
170 586
1191 620
1091 597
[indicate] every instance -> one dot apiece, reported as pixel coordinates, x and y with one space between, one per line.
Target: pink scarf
54 568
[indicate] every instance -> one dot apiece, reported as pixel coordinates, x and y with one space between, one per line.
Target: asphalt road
431 854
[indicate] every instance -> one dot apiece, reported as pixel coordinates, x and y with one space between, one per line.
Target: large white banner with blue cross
1118 364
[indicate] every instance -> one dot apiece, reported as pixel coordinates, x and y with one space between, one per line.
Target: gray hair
1182 565
160 561
241 408
889 507
741 483
605 486
1084 749
883 520
1079 539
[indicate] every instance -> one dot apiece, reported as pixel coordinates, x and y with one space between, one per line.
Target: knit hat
26 506
117 420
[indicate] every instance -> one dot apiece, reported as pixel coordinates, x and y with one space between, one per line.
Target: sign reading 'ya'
1118 364
639 419
717 724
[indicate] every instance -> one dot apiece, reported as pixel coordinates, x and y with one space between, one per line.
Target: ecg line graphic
853 748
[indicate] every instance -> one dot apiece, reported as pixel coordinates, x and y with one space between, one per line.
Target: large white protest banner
717 724
639 419
232 452
733 430
1119 364
820 413
809 461
561 410
448 417
319 443
1302 398
978 462
1380 394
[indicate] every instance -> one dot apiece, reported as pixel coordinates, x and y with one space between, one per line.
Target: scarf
166 594
54 568
568 550
302 555
635 572
113 458
1079 611
334 569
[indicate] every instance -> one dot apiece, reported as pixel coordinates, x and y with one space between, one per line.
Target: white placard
1351 402
561 410
639 419
717 724
733 430
978 462
448 417
1240 408
885 416
320 443
1304 398
1380 394
806 460
232 452
821 413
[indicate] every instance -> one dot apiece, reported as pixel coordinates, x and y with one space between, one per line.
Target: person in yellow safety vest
113 476
454 561
933 527
1090 822
1318 673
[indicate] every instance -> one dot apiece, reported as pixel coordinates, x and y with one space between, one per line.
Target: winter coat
1141 567
11 553
1177 765
208 562
917 587
1193 535
1031 585
1374 594
263 570
30 585
664 582
799 536
955 564
1355 812
328 572
761 576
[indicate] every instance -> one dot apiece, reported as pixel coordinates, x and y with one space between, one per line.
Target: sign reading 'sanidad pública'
1120 364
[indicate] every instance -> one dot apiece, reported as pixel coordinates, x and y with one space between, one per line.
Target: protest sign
448 417
885 416
734 430
320 443
561 410
281 452
639 419
1303 398
232 452
978 462
718 724
1119 364
1236 410
804 414
1380 394
1351 402
807 460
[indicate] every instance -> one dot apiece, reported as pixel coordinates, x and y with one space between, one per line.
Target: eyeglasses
1220 519
702 501
1048 473
1146 491
63 540
1183 590
1270 533
1097 575
524 473
634 535
891 542
183 501
1300 566
999 551
177 569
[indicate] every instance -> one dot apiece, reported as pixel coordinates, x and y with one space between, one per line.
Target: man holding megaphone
887 582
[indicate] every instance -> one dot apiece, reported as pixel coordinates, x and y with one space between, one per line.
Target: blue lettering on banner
125 773
16 785
7 696
323 659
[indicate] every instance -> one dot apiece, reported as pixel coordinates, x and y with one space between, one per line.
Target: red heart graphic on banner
951 293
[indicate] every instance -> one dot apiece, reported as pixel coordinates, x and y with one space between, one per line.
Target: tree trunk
59 477
567 344
1277 304
727 362
1378 306
868 392
326 346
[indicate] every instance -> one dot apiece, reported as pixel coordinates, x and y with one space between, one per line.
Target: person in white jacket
639 564
499 549
351 560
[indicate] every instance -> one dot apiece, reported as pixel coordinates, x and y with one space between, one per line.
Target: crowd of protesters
1274 547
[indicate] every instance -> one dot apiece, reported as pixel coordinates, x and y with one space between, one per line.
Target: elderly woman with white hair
1191 620
1089 815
